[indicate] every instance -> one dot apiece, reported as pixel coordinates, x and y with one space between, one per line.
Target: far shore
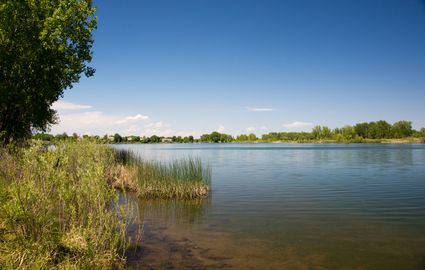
364 141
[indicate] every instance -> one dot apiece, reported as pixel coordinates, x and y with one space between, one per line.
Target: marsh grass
185 178
57 211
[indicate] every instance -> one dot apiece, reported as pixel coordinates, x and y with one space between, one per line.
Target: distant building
167 140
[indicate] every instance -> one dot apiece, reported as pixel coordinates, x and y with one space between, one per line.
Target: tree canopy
45 46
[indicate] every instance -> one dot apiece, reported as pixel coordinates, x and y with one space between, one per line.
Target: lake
290 206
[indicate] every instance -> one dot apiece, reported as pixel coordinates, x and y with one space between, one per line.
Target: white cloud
159 124
94 122
132 130
97 122
256 128
156 128
263 109
64 105
221 129
135 118
298 125
165 133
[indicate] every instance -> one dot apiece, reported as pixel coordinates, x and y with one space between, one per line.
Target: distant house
167 140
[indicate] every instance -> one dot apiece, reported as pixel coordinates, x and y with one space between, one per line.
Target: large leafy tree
45 46
402 129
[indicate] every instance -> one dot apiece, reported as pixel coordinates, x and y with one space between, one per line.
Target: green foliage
44 137
45 46
58 211
188 139
316 132
180 139
246 138
216 137
383 130
155 139
242 138
252 137
117 138
348 132
287 137
319 132
359 133
422 132
402 129
361 130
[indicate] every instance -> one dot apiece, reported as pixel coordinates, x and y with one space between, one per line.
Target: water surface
291 206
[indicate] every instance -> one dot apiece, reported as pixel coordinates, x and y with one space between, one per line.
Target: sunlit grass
58 211
185 178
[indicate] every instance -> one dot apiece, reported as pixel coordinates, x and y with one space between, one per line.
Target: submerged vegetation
185 178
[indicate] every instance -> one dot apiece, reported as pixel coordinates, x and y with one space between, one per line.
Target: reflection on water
291 207
169 212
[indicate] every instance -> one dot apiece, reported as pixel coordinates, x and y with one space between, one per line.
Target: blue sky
193 67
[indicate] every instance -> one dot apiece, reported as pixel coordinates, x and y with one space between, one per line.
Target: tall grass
57 211
185 178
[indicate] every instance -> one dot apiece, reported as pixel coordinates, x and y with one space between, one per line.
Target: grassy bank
57 210
185 178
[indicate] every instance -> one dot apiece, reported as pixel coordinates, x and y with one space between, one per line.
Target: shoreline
364 141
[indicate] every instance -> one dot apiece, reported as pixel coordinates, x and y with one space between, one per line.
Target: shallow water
291 206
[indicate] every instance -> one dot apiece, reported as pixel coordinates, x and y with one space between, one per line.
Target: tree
326 132
216 137
242 138
252 137
62 136
43 137
383 129
45 46
402 129
362 129
317 132
188 139
154 139
117 138
347 132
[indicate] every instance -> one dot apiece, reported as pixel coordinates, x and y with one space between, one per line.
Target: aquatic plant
184 178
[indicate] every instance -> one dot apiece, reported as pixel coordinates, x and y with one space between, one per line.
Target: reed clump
57 211
185 178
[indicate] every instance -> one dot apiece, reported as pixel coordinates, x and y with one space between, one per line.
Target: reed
57 211
185 178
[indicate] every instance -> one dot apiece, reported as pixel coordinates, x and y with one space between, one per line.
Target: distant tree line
357 133
361 132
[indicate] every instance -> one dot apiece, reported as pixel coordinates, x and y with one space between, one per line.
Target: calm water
291 206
